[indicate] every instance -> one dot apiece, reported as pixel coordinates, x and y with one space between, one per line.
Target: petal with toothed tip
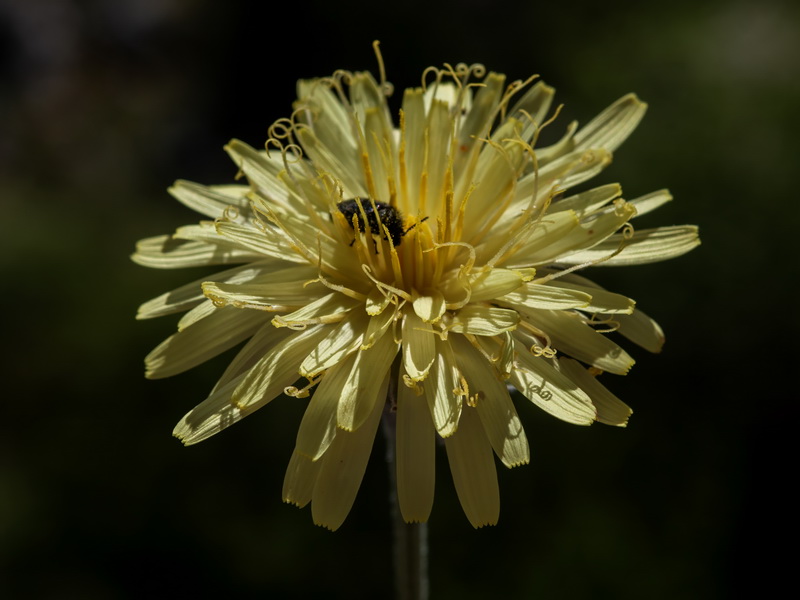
342 469
416 464
472 466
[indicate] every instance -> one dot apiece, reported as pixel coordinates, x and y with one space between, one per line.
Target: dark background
104 103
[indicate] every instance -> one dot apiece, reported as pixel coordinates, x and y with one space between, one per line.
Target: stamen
386 87
383 287
414 385
627 234
547 352
465 71
303 392
342 289
458 231
463 271
278 322
294 242
513 88
401 162
281 129
498 209
537 206
594 321
334 82
367 167
425 73
537 334
231 213
462 391
397 335
482 343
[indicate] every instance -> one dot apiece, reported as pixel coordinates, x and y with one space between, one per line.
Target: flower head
432 260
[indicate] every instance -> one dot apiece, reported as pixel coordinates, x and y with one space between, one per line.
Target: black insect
389 216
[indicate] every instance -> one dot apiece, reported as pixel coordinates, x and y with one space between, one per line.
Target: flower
431 260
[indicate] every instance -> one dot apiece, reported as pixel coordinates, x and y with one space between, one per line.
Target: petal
547 154
377 302
587 202
416 464
367 97
419 348
301 475
318 428
167 252
495 179
476 124
330 159
612 126
341 340
343 467
496 282
190 295
330 308
585 166
483 110
440 390
360 391
483 320
257 346
561 174
379 166
444 91
183 298
610 409
646 246
532 108
378 325
267 241
641 330
495 408
273 291
204 231
199 312
430 307
601 301
211 201
472 465
535 295
571 335
552 227
325 114
589 233
498 350
277 369
551 390
650 202
438 129
221 330
262 169
211 416
411 154
217 412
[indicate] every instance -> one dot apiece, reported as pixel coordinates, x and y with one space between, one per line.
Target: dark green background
104 104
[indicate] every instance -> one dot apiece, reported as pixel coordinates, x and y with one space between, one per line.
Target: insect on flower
378 215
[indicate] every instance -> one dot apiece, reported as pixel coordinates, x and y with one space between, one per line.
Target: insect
389 216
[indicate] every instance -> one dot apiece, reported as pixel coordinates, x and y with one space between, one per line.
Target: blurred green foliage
105 103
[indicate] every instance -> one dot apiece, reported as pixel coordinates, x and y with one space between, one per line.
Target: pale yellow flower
465 283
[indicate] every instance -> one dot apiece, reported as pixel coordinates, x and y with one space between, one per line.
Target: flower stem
410 553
